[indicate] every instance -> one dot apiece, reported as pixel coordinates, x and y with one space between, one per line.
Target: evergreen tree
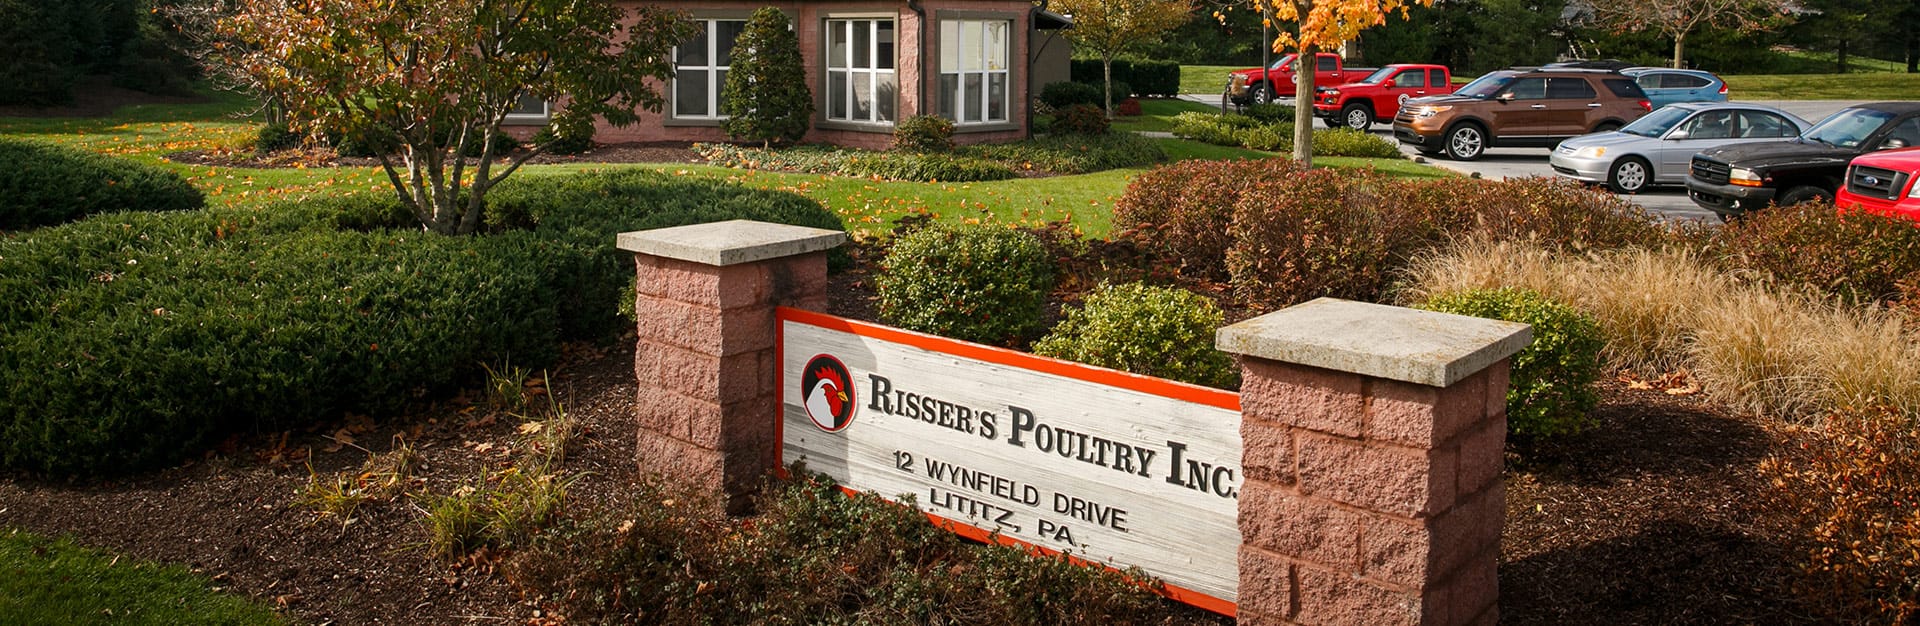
766 97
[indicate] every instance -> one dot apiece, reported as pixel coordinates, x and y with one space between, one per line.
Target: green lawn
45 581
1852 86
1206 79
870 207
1157 115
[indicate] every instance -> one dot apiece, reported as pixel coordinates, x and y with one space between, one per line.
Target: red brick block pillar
1373 448
708 408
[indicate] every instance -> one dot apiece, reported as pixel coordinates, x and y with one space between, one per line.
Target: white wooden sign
1109 467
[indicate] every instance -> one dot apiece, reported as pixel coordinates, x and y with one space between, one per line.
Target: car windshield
1485 86
1281 65
1848 128
1656 123
1378 76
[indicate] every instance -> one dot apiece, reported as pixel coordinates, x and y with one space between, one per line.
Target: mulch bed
1652 517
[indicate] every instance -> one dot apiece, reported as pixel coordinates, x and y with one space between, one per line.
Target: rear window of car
1569 88
1682 81
1624 88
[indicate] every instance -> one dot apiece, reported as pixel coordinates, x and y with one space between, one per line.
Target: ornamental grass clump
1151 331
986 284
1552 379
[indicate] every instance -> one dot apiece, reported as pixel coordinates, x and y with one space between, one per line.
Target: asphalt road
1501 163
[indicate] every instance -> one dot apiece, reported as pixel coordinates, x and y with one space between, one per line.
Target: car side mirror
1893 142
1677 134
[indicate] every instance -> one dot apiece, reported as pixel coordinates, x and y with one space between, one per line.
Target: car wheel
1466 142
1357 116
1262 94
1629 175
1803 193
1607 127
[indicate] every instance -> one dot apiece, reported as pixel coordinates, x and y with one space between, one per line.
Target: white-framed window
530 109
700 68
861 84
973 70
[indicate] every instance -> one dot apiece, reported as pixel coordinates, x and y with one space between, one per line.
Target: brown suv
1519 108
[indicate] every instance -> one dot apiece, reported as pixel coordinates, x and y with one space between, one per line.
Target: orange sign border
1011 358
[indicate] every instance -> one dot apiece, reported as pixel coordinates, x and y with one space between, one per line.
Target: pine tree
766 97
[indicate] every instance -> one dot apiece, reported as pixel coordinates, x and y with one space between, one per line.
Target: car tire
1629 175
1606 127
1356 116
1803 193
1464 142
1263 94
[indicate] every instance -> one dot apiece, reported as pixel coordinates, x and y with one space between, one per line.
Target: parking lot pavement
1503 163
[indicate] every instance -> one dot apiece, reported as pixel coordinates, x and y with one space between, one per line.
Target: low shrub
1182 212
1269 113
1062 95
812 555
502 144
148 336
1129 107
849 162
1080 120
1277 137
985 284
274 138
42 184
1213 128
1858 255
560 137
1552 379
923 134
1557 213
1321 232
1850 488
1072 154
1347 142
1155 77
1152 331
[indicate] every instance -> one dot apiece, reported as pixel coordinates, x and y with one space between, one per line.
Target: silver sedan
1658 148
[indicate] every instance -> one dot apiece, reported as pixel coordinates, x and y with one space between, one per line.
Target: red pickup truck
1377 97
1260 86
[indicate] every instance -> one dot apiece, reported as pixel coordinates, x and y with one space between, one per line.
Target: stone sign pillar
706 363
1373 439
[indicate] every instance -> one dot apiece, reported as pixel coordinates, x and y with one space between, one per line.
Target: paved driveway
1502 163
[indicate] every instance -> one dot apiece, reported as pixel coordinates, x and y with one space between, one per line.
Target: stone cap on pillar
731 242
1410 345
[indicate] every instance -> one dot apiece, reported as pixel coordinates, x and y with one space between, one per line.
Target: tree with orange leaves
1318 25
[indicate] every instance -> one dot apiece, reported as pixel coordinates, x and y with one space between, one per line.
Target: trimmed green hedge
979 283
1146 77
1553 377
134 341
43 185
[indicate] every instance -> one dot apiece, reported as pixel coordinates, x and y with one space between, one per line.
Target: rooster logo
829 397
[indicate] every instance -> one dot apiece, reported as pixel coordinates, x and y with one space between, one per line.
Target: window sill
862 127
708 122
989 127
525 120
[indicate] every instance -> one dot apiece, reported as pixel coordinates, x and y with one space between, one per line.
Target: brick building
869 64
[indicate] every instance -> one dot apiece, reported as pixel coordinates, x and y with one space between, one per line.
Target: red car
1377 97
1883 182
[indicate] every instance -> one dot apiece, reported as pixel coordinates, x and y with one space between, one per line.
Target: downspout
920 86
1033 55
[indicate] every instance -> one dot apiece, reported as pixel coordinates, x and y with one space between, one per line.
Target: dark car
1731 180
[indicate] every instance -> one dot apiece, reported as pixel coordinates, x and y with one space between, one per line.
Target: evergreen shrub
1347 142
766 97
570 136
1066 94
1151 331
1073 154
274 138
1552 380
979 283
43 184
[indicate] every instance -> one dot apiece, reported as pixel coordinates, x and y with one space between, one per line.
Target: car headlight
1743 177
1430 111
1914 192
1593 152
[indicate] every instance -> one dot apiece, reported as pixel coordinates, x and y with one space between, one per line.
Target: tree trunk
1304 66
1106 71
1679 51
1840 54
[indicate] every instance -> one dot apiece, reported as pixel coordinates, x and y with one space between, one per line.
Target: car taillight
1723 89
1646 105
